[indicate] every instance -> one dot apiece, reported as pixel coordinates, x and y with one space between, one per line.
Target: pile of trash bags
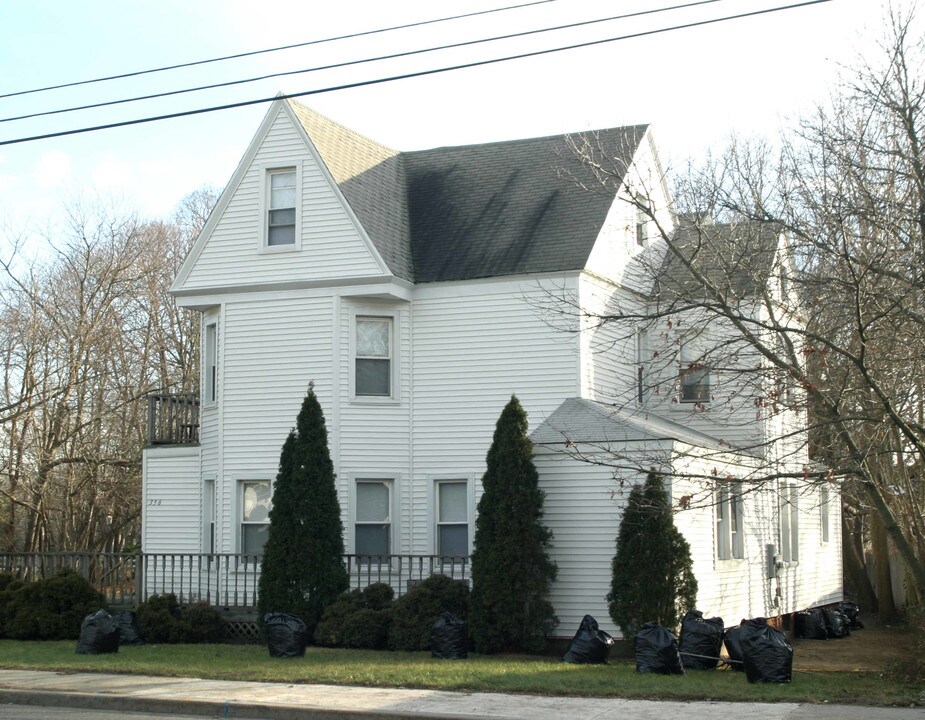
98 634
826 623
287 635
449 637
701 641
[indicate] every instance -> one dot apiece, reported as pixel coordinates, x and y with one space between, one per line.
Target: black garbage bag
449 637
98 634
852 612
767 655
287 635
129 632
811 625
732 639
701 641
591 645
657 651
836 623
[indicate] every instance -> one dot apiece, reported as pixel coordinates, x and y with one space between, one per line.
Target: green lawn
513 674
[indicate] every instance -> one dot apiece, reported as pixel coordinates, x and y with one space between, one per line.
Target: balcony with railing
173 419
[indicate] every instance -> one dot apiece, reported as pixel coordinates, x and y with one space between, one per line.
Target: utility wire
273 49
348 63
406 76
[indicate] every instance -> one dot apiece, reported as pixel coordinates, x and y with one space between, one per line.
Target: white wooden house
418 291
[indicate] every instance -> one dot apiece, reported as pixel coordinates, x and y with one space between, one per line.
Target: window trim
433 482
642 351
642 221
392 482
373 312
239 507
728 505
266 171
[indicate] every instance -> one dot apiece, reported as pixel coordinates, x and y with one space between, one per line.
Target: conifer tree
511 569
303 568
653 577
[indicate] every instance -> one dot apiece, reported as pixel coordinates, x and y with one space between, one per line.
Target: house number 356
153 502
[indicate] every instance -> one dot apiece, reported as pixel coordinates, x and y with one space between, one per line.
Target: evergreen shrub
357 619
50 609
303 570
652 571
416 611
511 568
161 619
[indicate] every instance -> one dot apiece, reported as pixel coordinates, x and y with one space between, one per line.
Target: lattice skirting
241 631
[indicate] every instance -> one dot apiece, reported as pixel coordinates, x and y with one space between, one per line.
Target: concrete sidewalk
282 701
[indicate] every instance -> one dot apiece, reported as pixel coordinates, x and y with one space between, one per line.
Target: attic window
281 208
642 220
694 373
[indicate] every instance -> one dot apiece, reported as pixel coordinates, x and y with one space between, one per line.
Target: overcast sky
695 86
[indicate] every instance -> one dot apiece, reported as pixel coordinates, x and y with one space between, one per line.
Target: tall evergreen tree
653 577
303 569
511 569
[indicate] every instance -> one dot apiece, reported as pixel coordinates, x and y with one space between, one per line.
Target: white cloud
111 173
52 169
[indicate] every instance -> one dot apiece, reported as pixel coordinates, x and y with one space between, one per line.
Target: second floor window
373 357
281 208
210 363
694 374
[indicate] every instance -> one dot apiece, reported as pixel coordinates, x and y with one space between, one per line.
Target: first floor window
208 515
373 527
373 357
789 524
452 518
256 496
694 375
730 539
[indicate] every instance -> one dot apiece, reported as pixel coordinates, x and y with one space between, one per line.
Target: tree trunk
883 581
856 570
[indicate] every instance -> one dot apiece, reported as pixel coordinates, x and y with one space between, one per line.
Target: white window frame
266 171
686 367
391 482
641 240
434 482
210 362
209 544
239 510
642 352
377 313
789 508
729 513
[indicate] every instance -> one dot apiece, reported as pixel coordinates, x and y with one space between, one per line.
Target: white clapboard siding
171 500
472 352
608 350
331 244
271 350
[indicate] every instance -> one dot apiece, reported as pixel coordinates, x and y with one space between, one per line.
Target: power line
273 49
349 63
406 76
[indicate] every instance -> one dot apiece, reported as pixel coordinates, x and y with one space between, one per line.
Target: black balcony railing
173 419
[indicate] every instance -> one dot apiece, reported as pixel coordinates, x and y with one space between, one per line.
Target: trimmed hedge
50 609
162 620
358 619
415 612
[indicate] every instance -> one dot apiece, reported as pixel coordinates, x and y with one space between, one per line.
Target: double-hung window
730 538
256 496
208 515
694 375
210 353
642 220
452 518
373 356
373 524
789 524
824 512
281 208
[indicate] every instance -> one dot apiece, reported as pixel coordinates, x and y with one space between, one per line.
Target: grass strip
504 673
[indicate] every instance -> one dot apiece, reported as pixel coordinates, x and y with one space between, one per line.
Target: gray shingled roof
578 420
738 258
456 213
